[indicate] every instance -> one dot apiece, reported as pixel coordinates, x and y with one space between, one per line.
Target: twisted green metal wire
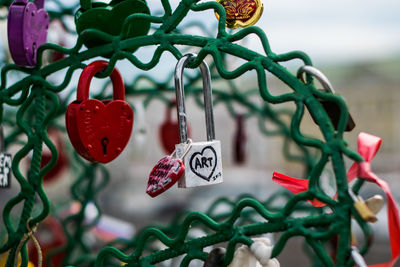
34 90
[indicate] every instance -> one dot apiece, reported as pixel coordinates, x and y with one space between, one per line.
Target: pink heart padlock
28 23
167 171
165 174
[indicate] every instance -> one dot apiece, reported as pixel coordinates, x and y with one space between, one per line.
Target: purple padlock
28 23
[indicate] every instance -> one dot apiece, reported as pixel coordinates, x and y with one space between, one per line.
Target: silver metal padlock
203 164
5 164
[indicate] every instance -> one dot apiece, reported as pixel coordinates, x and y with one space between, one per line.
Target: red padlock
99 130
51 236
169 131
239 141
62 160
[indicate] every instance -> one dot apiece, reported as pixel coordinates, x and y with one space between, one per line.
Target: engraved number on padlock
203 163
5 163
362 208
331 108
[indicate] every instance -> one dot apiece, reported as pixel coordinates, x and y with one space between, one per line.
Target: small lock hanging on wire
331 108
5 163
167 171
27 27
239 141
169 130
203 163
362 208
99 130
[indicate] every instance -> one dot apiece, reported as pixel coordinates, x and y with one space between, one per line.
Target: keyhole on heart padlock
104 143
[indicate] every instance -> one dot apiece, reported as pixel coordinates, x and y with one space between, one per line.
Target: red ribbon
368 145
295 185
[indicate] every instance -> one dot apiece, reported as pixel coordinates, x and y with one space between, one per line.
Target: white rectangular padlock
203 163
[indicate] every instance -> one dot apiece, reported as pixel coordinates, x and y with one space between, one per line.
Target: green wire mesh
38 106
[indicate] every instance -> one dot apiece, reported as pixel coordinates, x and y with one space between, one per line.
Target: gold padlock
375 203
362 208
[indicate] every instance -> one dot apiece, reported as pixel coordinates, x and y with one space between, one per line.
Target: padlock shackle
180 97
317 74
87 75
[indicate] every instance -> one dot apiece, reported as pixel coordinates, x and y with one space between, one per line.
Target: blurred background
355 43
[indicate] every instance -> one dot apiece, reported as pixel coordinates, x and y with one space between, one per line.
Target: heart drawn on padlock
203 163
99 130
28 23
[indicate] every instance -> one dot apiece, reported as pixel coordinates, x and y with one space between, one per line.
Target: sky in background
331 31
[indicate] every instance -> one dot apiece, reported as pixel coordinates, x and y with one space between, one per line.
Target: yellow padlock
362 208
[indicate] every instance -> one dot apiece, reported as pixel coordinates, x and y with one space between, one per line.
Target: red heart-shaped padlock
169 131
99 130
165 174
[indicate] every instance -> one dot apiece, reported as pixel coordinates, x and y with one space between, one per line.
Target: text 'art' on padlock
203 163
99 130
27 27
5 163
331 108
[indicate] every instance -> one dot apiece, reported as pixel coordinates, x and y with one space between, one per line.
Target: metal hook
317 74
180 97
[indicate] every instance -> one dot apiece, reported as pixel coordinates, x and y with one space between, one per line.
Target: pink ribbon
368 146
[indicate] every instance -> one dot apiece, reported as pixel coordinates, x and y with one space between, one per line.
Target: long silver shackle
180 97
